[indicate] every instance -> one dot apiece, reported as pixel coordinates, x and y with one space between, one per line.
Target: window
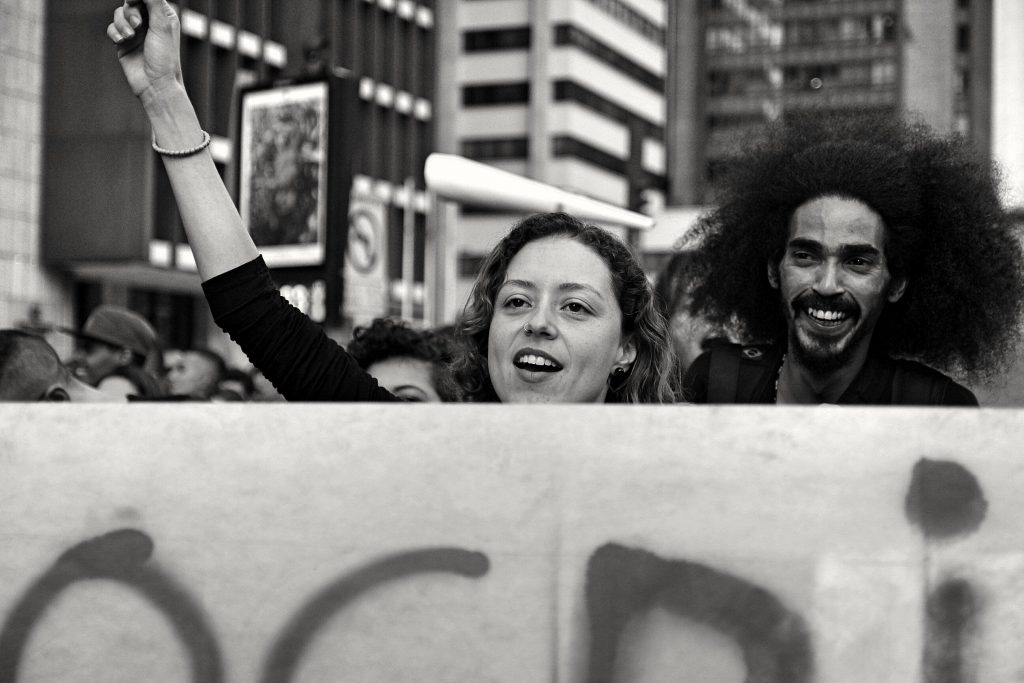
496 39
963 38
570 91
566 34
495 148
495 93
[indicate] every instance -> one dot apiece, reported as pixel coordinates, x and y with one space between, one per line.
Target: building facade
739 63
567 92
31 295
104 225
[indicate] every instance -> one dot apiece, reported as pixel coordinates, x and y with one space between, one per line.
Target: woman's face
556 333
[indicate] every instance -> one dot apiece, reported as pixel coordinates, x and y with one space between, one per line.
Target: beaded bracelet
183 152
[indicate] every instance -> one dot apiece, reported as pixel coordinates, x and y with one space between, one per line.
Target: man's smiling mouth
825 317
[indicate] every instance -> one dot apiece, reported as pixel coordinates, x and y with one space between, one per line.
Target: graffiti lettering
624 582
121 556
299 632
944 500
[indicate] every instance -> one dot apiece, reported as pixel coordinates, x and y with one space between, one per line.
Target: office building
739 63
568 92
91 217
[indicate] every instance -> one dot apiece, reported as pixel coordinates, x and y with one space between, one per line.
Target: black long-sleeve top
291 351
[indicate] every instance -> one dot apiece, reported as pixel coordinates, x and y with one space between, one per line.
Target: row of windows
571 91
875 73
518 92
497 149
371 41
630 17
737 37
518 38
566 34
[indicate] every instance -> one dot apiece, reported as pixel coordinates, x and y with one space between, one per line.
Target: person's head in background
116 352
194 373
690 332
411 364
562 312
30 370
236 385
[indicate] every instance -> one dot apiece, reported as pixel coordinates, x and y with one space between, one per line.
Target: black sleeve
959 395
291 351
695 381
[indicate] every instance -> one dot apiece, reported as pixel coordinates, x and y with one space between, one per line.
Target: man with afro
863 260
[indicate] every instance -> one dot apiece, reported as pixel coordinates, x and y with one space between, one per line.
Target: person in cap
30 370
114 347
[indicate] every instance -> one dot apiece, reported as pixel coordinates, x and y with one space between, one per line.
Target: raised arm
291 351
147 34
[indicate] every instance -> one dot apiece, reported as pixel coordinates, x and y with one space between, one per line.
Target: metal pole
408 247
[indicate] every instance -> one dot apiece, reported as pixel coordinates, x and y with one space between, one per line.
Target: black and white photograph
511 341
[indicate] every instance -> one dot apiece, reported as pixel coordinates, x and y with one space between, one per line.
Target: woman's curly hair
946 233
386 338
650 380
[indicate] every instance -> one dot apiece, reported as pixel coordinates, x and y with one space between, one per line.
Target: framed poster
283 171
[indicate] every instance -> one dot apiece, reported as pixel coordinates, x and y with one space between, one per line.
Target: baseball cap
118 327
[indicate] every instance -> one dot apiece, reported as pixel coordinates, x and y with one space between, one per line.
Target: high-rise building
108 229
568 92
736 64
30 294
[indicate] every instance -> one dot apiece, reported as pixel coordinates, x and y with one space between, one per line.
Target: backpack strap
723 375
911 388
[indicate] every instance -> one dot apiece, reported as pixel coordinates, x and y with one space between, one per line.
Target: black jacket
730 373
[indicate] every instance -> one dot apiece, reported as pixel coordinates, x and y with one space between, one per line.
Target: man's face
689 332
93 360
834 281
191 374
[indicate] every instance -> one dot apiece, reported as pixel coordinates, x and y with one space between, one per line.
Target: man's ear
896 289
773 275
56 393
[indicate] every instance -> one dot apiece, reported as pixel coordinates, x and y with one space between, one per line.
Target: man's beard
823 356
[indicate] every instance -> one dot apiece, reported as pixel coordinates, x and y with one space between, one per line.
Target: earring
617 379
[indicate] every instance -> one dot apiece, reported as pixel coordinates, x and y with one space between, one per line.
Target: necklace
778 376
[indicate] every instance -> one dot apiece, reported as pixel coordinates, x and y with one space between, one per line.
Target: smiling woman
562 312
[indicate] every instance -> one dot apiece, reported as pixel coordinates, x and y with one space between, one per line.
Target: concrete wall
24 282
569 544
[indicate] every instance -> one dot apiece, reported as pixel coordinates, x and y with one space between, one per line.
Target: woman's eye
516 302
576 307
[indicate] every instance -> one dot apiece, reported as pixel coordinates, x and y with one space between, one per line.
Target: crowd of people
847 260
